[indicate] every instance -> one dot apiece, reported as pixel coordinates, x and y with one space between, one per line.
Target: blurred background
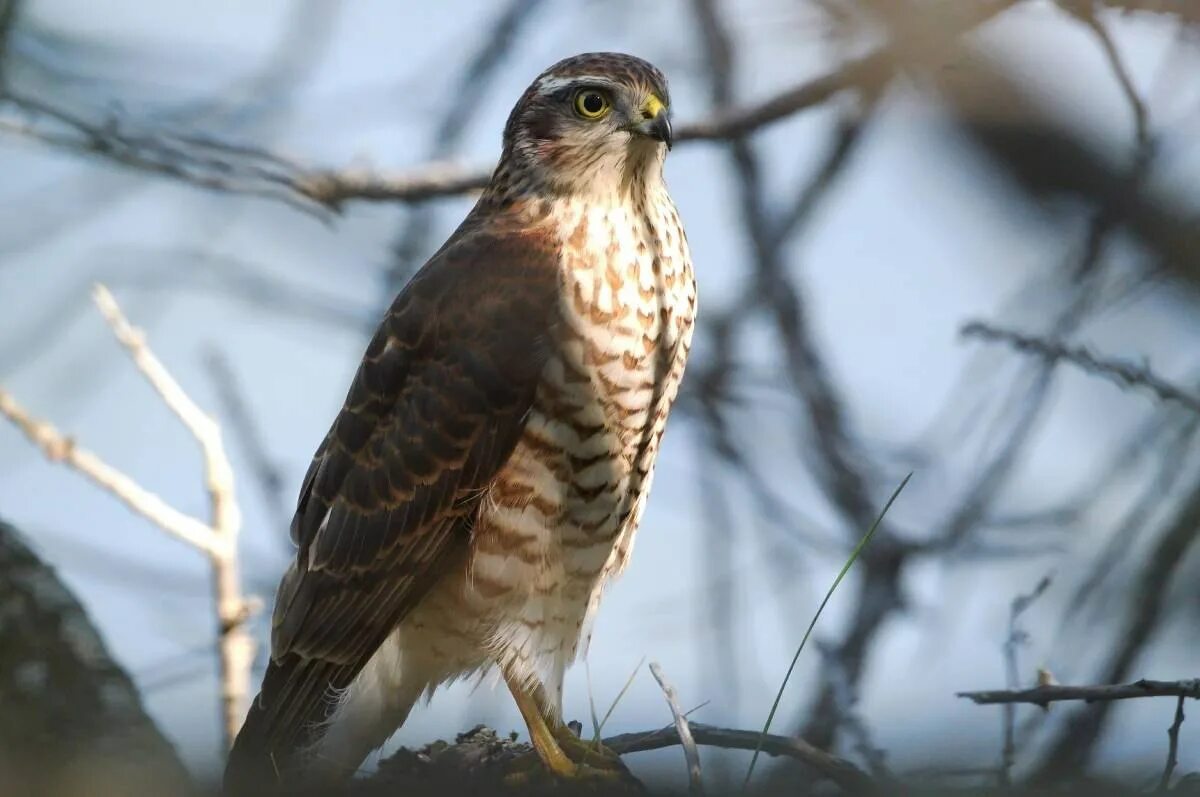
1028 165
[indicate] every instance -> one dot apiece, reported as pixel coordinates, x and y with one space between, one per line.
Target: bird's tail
282 723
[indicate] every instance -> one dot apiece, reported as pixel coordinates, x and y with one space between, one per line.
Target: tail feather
282 723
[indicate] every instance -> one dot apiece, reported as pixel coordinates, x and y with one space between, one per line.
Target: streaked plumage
487 473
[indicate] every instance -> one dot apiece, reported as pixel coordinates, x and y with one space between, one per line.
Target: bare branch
1044 695
1172 746
57 447
837 769
1016 638
463 106
217 539
226 518
684 731
1120 373
1086 13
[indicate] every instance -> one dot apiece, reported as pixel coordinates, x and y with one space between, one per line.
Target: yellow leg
540 734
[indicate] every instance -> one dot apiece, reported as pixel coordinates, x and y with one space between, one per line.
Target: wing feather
431 417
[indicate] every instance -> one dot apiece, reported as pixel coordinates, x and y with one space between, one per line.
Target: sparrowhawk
487 473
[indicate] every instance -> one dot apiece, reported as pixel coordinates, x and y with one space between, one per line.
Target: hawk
487 473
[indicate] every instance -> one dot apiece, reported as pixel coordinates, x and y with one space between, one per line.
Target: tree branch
57 447
217 539
1044 695
240 169
837 769
1120 373
1172 746
682 729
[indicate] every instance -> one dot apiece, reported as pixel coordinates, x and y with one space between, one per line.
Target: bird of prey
487 473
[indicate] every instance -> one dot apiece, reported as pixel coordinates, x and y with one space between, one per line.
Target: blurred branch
926 45
1185 12
1168 471
695 782
232 168
1038 152
845 695
1120 373
1085 11
837 459
1016 638
1044 695
240 169
463 104
9 11
217 539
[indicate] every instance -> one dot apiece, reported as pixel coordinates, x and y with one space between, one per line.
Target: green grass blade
845 569
628 683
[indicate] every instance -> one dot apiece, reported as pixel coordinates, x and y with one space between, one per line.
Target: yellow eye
592 104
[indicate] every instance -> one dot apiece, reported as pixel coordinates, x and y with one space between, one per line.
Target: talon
559 747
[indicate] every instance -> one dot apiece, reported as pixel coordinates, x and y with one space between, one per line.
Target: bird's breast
624 322
559 520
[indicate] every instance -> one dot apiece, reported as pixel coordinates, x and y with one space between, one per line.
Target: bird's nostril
647 113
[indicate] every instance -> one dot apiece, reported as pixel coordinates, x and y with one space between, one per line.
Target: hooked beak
656 121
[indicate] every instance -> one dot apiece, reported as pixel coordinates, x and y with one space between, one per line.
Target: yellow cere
652 106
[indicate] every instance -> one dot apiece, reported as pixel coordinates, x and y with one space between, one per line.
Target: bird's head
591 124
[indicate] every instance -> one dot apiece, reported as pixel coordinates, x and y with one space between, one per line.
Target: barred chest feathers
564 513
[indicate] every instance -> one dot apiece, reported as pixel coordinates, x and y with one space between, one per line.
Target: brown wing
434 412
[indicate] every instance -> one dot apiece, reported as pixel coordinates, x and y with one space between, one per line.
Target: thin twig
1121 373
1172 746
57 447
837 769
1086 13
695 782
226 517
1016 638
1043 695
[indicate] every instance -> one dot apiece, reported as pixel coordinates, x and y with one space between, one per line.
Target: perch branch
838 770
682 729
1051 693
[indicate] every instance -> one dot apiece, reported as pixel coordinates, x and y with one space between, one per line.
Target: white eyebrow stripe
550 84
